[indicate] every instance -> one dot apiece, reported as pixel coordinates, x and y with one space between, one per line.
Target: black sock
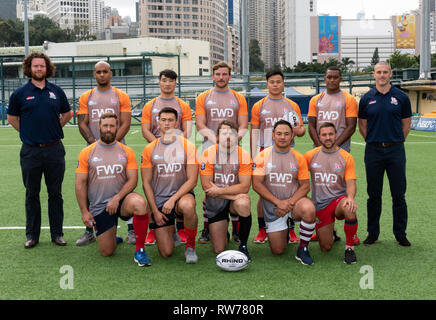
244 229
91 230
261 222
129 226
180 225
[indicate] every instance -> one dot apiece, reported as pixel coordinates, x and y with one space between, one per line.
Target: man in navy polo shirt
385 116
38 111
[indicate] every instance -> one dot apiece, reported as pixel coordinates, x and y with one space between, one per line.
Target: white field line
44 228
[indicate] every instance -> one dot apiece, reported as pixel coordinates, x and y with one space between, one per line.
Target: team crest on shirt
232 103
203 166
293 167
51 95
254 166
113 101
394 101
337 167
122 157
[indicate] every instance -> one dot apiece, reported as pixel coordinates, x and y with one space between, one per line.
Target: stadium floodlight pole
425 57
245 63
26 30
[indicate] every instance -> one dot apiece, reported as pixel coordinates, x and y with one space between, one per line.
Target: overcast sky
348 9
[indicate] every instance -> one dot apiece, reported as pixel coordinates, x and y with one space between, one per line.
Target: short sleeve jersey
334 108
94 103
282 173
150 113
220 105
266 112
329 173
106 166
168 163
225 170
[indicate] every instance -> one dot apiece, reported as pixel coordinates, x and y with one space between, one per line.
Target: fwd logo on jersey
222 112
328 115
325 178
271 121
224 179
109 170
280 178
96 113
168 168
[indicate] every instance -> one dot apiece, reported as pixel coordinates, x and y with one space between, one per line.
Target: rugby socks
90 230
261 222
235 222
130 224
244 229
180 225
140 225
350 229
191 234
205 219
306 231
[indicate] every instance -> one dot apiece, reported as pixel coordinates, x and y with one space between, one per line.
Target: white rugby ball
231 260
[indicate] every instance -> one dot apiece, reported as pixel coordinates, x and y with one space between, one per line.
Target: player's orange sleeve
312 106
303 171
255 111
186 110
259 162
245 163
146 111
83 102
131 158
125 105
243 109
296 108
146 155
350 170
199 103
351 107
82 162
207 161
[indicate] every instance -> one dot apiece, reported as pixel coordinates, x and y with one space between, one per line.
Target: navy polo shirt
384 114
39 111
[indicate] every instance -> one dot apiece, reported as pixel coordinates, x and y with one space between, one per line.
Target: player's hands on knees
159 218
112 205
87 219
168 206
350 204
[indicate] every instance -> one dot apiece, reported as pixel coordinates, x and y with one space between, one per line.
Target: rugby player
92 104
212 106
225 175
333 179
264 114
150 129
107 174
169 169
282 180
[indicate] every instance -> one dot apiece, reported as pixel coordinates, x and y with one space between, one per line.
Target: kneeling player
107 173
281 179
225 175
333 190
169 169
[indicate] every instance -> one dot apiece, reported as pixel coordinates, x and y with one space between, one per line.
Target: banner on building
405 31
328 27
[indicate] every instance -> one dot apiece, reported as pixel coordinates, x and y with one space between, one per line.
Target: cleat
350 256
235 237
177 240
151 240
293 237
335 236
304 257
86 238
261 237
182 235
402 241
370 240
118 240
130 238
191 256
204 238
141 258
244 250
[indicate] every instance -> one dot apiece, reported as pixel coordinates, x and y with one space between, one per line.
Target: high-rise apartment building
8 9
194 19
234 35
34 7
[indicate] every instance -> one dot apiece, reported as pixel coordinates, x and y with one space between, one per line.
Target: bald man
92 104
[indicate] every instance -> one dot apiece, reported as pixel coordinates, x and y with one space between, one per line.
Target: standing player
264 114
213 106
281 179
333 189
151 131
225 175
169 169
92 104
107 174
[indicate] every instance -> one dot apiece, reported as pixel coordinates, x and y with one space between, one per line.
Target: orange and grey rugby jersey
329 172
225 170
333 108
150 113
220 105
106 167
94 103
168 162
266 112
282 172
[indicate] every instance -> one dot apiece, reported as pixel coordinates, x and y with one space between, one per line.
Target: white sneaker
191 256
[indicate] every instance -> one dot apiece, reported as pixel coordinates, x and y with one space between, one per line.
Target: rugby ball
231 260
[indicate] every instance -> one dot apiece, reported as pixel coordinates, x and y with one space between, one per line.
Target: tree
375 57
256 63
402 61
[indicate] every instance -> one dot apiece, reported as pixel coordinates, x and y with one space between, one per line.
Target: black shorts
104 221
222 215
171 216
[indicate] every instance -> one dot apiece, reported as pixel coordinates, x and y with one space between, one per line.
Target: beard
38 78
107 137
